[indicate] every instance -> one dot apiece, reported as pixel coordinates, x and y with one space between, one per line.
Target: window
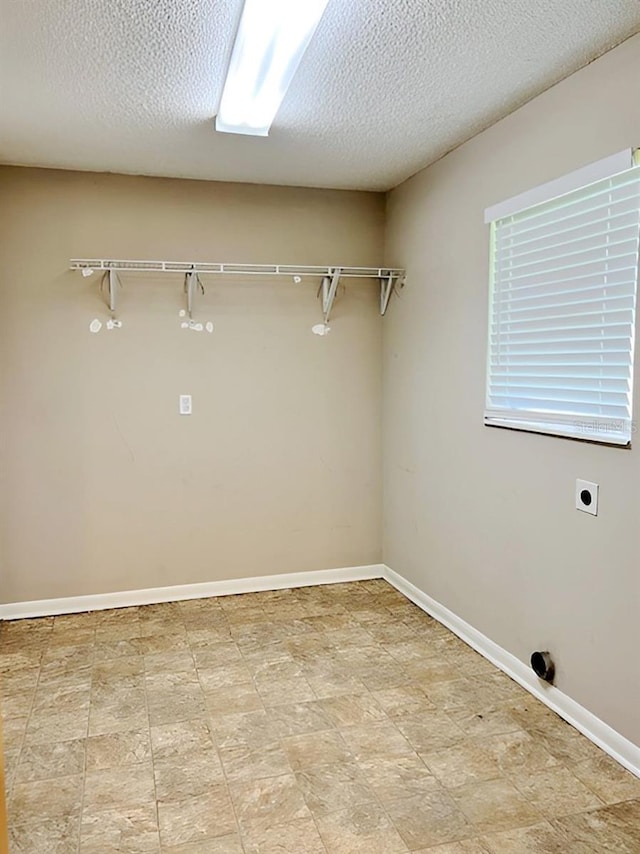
563 280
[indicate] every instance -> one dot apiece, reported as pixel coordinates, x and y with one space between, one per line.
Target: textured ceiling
386 87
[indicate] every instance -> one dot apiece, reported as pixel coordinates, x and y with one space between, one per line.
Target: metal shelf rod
201 267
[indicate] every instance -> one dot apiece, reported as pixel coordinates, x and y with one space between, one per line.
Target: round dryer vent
543 665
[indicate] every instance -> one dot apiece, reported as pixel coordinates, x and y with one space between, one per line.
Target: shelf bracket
191 284
329 289
112 286
387 287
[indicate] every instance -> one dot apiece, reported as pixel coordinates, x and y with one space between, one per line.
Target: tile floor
327 720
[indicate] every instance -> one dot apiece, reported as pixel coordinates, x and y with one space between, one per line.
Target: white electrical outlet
587 497
185 404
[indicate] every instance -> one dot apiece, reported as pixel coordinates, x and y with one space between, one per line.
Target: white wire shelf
233 269
330 276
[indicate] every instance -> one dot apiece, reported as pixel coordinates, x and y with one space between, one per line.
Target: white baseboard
617 746
154 595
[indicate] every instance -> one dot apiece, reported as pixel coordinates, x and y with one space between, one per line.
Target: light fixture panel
272 38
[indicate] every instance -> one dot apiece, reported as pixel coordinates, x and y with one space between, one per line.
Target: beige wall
483 519
104 486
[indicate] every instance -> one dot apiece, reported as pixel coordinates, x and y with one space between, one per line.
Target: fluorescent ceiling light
272 38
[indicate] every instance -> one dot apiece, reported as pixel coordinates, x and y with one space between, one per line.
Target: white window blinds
562 312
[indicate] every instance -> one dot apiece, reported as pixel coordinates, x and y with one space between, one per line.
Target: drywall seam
154 595
616 745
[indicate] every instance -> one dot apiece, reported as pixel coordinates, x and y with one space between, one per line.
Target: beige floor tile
80 635
274 800
330 622
363 829
10 766
352 709
202 629
119 671
50 761
43 800
215 653
179 661
111 616
223 676
75 667
465 846
196 819
119 713
565 743
431 730
256 653
183 739
49 726
557 792
299 718
369 616
614 828
610 781
114 750
518 753
111 632
376 740
18 680
393 631
333 683
17 704
353 636
20 656
316 748
495 805
431 671
397 776
119 787
299 836
376 676
165 642
173 697
234 699
537 839
186 777
310 646
129 828
296 690
328 788
40 835
14 730
404 651
461 693
530 714
483 722
230 844
74 621
405 701
247 729
429 819
265 671
251 626
252 763
465 762
106 687
356 658
109 649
